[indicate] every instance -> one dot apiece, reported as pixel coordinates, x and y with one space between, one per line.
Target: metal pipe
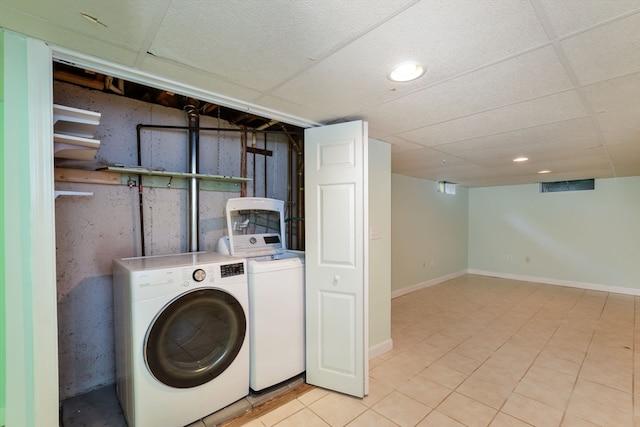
243 163
140 197
194 206
201 128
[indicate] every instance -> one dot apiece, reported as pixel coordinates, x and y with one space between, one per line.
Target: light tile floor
482 351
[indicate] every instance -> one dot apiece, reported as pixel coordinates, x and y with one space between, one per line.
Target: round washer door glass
195 338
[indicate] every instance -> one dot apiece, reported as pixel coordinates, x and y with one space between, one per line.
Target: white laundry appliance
181 336
276 288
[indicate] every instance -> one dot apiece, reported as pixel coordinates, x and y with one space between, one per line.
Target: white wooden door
336 257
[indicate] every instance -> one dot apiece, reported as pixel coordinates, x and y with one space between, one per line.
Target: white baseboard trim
380 349
399 292
558 282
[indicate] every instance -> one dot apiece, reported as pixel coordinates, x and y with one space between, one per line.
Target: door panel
337 230
335 188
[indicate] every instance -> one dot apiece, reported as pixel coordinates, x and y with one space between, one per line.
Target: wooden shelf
167 174
114 175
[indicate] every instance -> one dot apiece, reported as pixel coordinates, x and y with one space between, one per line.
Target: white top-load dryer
276 288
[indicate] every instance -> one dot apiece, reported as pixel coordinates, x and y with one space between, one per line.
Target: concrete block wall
92 231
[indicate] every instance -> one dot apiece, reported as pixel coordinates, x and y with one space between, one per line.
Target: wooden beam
86 177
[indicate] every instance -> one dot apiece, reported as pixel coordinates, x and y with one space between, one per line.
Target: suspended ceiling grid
557 81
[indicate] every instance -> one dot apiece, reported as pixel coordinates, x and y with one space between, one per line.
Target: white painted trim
558 282
135 75
43 247
380 349
399 292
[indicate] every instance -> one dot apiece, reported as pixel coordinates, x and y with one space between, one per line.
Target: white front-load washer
181 336
276 288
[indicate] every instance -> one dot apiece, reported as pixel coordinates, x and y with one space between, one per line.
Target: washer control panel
229 270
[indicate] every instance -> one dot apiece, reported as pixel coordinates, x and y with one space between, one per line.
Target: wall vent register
576 185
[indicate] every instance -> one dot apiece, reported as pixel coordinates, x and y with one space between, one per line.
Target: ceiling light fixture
544 171
406 71
520 159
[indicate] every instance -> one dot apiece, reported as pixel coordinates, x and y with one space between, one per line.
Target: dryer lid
255 226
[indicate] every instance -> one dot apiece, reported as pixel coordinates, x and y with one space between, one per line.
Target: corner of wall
2 226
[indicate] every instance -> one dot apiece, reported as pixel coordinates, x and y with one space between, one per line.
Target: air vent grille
576 185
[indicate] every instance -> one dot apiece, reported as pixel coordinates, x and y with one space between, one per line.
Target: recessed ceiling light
406 71
520 159
544 171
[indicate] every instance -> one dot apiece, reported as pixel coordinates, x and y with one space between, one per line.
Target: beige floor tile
443 341
597 413
338 409
425 391
496 375
504 420
552 377
473 351
491 394
544 393
312 395
597 373
371 418
428 351
443 375
403 410
467 411
489 339
608 396
377 391
436 419
547 359
459 362
532 411
571 420
476 345
281 413
305 418
390 374
254 423
410 361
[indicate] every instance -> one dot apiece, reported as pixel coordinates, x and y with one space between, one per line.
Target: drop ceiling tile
570 16
197 78
449 37
57 35
606 52
626 159
576 133
398 145
125 23
608 95
628 118
262 43
527 76
541 111
425 158
625 136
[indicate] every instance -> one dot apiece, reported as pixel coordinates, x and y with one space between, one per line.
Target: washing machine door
195 338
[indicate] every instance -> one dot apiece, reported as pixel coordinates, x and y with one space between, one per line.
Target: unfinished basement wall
91 231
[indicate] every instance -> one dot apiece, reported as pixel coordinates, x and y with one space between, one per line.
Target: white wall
584 238
379 246
429 233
